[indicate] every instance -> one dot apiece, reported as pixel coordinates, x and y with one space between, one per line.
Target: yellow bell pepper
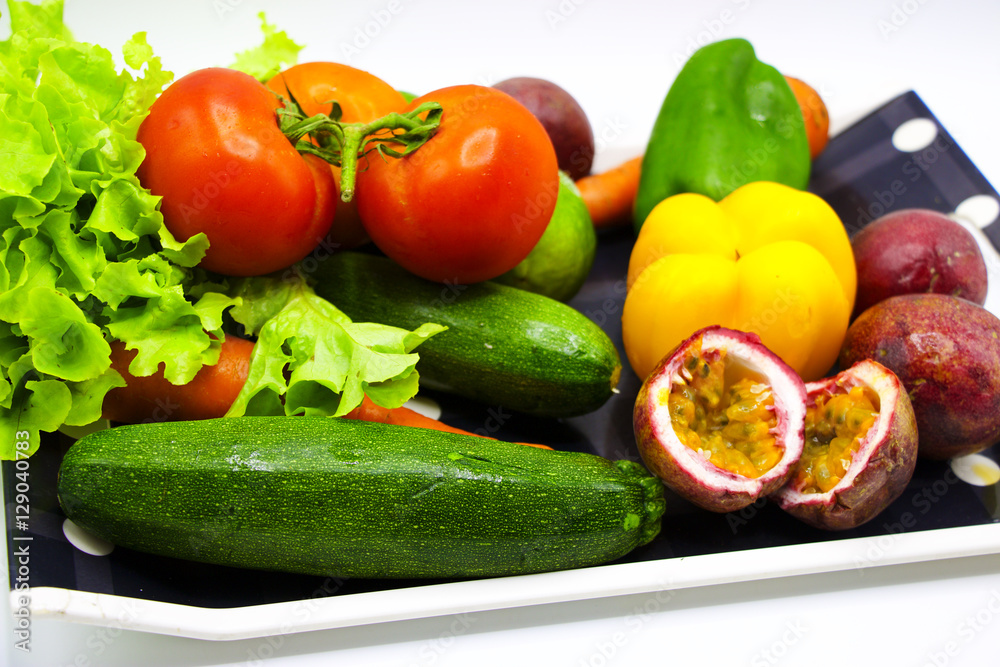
767 258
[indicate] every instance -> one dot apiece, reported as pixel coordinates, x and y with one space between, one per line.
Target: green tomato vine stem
344 144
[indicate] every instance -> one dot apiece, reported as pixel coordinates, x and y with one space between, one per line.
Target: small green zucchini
504 346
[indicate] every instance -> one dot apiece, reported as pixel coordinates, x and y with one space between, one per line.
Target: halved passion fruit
860 449
720 420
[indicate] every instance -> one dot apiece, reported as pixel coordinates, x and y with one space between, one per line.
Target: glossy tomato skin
215 155
473 201
363 97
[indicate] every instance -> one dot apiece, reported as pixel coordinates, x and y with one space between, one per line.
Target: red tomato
363 97
473 201
215 155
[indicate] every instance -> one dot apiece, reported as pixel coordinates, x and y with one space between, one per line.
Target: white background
618 59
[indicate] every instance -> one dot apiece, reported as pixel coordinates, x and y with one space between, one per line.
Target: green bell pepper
728 119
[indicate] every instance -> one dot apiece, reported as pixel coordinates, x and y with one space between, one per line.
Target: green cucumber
346 498
504 346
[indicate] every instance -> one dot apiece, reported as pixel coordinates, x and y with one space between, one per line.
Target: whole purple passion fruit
564 119
946 352
913 251
860 449
720 419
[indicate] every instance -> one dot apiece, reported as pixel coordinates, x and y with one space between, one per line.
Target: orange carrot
153 398
372 412
610 195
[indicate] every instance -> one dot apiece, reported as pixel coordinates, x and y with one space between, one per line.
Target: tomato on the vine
473 201
216 156
363 97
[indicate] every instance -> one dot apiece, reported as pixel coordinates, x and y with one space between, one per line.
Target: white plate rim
660 578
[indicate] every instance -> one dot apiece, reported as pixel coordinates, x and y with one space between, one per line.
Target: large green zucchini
338 497
504 346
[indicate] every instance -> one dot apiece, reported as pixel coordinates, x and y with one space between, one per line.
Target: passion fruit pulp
720 420
860 449
835 425
732 427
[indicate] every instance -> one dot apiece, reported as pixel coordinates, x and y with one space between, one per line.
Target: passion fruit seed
731 427
835 426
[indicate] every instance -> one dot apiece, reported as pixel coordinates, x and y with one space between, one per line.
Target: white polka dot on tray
980 210
84 541
914 135
428 407
976 469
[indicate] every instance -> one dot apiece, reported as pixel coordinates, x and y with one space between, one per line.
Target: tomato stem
343 144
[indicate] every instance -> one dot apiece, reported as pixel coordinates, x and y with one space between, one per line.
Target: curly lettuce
276 52
311 359
85 257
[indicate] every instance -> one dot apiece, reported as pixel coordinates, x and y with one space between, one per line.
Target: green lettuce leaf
311 359
44 20
274 54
